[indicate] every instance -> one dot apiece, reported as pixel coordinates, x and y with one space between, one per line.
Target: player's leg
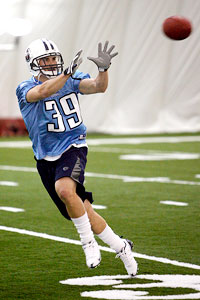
69 180
66 190
122 247
102 230
51 172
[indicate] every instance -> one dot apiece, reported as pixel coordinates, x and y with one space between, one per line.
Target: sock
110 238
83 227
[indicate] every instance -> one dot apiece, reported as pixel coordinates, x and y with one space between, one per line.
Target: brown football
177 27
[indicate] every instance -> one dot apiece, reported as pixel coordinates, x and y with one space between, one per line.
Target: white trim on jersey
53 158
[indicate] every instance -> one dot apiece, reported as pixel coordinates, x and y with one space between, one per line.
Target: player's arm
94 85
103 62
51 86
47 88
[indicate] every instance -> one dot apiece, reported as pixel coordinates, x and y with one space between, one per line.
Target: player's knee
66 195
66 189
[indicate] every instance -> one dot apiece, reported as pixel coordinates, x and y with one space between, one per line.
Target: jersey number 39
70 111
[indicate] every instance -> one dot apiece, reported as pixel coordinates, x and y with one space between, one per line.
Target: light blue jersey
53 123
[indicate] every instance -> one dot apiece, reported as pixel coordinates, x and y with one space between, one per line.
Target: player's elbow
102 88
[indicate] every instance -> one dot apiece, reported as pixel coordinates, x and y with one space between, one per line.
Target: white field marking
117 280
20 169
95 206
147 155
197 176
115 294
111 176
17 144
142 140
11 209
124 150
114 150
141 154
161 156
117 141
120 291
140 179
169 202
75 242
9 183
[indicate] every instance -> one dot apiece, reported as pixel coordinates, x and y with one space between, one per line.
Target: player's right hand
75 63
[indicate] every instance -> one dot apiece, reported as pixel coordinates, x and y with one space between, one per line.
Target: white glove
74 64
103 61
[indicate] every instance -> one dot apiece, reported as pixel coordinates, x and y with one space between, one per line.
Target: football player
50 108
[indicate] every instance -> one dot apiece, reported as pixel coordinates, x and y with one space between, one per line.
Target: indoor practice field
148 190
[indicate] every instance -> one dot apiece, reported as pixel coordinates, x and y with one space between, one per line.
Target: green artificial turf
31 267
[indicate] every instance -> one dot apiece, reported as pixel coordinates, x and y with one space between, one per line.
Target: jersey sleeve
21 92
77 77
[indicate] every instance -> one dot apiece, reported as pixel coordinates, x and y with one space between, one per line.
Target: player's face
49 61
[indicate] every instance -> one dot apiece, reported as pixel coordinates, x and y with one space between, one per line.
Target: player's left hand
77 60
103 61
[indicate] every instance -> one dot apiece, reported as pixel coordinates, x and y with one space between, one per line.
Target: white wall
154 81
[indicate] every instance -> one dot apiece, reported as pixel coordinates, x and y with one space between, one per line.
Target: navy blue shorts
71 164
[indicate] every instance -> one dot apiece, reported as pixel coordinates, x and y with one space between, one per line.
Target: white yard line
143 140
16 168
16 144
124 178
11 209
8 183
75 242
113 141
158 156
176 203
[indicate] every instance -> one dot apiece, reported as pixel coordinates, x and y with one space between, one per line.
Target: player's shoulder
26 84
